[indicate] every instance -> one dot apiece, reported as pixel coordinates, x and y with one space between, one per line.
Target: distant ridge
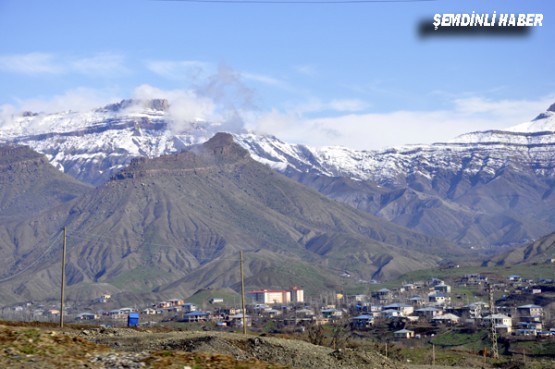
174 224
479 190
30 185
540 251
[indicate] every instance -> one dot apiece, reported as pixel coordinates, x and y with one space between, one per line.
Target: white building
265 296
502 322
403 309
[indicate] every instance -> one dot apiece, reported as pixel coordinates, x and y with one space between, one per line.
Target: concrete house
87 316
403 309
428 312
403 334
362 322
503 323
196 316
176 302
442 288
382 294
530 310
473 310
331 313
515 278
265 296
237 320
473 279
417 301
446 319
189 307
149 311
439 298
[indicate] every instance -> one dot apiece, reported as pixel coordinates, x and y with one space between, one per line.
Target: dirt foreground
49 348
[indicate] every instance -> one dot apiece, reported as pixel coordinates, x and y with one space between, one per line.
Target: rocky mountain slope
170 225
540 251
480 189
29 185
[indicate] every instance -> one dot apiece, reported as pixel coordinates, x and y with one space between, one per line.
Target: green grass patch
533 348
471 341
134 280
202 298
540 270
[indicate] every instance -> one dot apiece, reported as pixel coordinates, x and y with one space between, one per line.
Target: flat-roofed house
267 296
530 310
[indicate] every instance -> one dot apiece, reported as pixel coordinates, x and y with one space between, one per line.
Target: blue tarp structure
133 320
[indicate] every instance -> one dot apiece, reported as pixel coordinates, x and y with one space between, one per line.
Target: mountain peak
12 154
223 146
219 149
153 104
545 114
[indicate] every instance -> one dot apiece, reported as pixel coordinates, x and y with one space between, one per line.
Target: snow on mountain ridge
29 124
92 145
545 122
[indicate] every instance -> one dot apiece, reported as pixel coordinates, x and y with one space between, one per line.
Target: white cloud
380 130
99 64
283 125
7 114
188 70
186 106
45 63
516 109
200 74
78 99
335 105
221 85
307 70
31 64
347 105
264 79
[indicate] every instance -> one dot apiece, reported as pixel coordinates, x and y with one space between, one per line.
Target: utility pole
493 328
243 308
63 281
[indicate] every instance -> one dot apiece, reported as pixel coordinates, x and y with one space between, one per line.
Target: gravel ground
291 353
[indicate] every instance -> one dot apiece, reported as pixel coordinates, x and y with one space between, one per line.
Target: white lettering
503 18
487 20
437 20
539 19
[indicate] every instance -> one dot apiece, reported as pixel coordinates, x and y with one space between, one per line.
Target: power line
38 259
89 236
316 2
103 238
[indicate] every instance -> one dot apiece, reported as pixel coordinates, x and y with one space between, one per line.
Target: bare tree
340 333
316 334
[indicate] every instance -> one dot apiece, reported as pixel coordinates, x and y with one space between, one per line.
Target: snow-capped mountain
91 146
481 188
530 142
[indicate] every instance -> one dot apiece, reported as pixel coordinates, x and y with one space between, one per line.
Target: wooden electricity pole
243 308
63 281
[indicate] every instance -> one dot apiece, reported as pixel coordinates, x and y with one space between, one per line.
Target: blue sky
357 75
